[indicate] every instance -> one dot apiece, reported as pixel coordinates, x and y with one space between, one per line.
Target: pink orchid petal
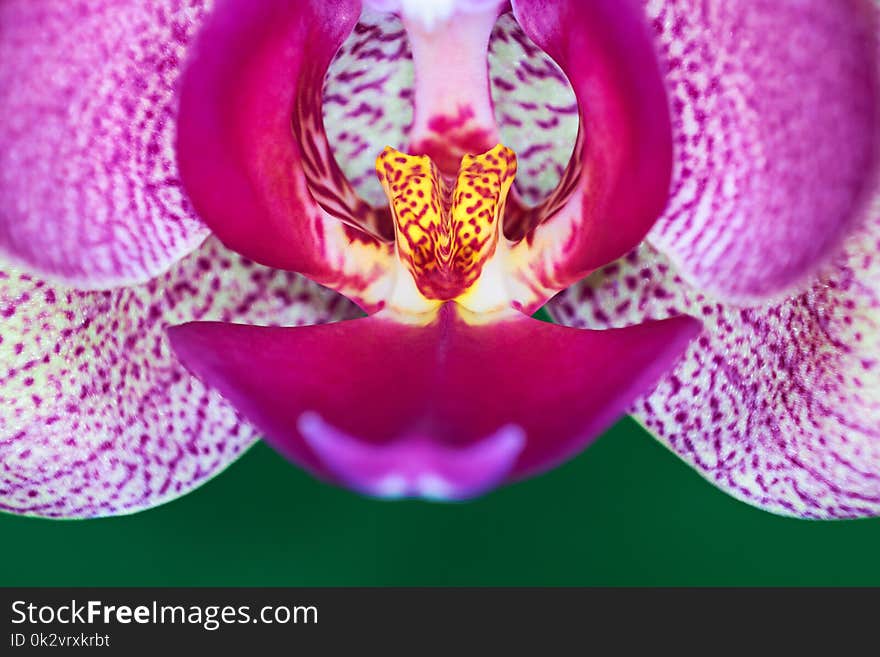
394 409
617 183
778 405
89 190
776 136
253 153
97 416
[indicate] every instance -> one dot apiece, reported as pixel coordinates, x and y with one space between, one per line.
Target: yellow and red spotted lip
446 230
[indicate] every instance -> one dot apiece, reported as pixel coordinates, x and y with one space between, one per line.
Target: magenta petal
97 416
89 190
436 411
617 183
776 136
253 153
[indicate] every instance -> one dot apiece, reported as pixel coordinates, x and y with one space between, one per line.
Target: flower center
446 231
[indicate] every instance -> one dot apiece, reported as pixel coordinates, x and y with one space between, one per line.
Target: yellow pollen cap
445 233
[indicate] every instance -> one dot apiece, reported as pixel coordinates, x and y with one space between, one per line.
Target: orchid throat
448 233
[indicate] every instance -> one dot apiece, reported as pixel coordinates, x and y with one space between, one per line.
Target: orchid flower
187 188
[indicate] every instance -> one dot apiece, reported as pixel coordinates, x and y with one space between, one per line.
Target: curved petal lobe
776 135
778 405
253 153
439 410
89 190
97 416
617 183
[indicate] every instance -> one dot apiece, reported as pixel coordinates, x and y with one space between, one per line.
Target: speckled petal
779 405
394 409
368 96
776 136
89 190
535 107
97 417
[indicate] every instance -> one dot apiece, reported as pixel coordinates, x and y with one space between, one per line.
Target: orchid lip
446 410
414 467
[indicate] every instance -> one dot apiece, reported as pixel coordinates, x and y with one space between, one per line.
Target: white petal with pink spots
97 417
779 405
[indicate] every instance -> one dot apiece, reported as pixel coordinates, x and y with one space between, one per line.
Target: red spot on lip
442 123
447 150
449 137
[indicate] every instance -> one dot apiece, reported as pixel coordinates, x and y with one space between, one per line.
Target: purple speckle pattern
774 119
368 99
97 417
779 404
89 189
535 107
368 104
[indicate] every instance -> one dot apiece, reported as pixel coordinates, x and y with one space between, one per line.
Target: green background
625 512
